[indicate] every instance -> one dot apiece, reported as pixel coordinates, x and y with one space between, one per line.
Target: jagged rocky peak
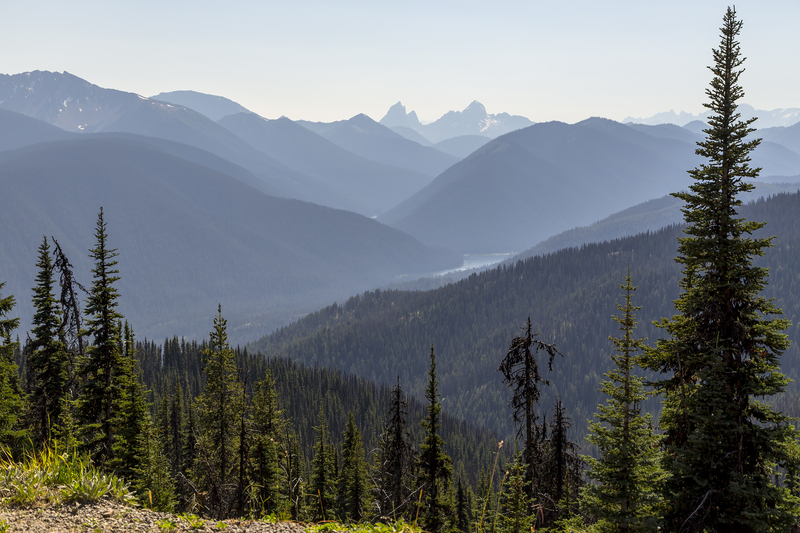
475 108
397 116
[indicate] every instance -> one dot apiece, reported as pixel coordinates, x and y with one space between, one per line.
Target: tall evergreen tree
218 412
521 372
628 472
435 466
563 469
323 478
353 488
725 343
395 460
12 403
132 413
48 364
104 363
267 427
463 508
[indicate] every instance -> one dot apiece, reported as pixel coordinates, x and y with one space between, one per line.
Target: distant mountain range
467 192
76 105
373 187
367 138
214 107
474 120
766 119
528 185
190 236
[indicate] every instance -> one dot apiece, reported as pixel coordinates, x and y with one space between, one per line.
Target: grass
49 476
393 527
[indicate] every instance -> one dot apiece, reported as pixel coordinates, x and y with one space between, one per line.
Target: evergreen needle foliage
628 471
104 364
435 467
723 445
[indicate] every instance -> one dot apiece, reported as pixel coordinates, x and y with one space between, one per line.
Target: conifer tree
104 363
463 508
395 459
353 488
152 479
516 507
521 372
628 472
132 413
563 469
12 402
725 343
48 361
267 428
218 412
323 480
434 464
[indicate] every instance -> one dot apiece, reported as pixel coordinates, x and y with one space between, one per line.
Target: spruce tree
132 413
395 460
12 403
562 470
323 479
628 472
217 414
434 465
267 427
725 342
463 508
104 363
515 505
353 487
48 364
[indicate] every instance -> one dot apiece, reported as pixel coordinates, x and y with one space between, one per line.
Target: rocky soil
107 515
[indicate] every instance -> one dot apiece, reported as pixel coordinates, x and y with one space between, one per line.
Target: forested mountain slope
570 296
189 236
305 392
648 216
533 183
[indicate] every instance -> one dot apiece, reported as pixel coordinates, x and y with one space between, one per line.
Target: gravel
108 515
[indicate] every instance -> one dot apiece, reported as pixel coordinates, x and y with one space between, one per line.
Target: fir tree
132 412
12 403
353 488
434 464
563 468
267 426
152 480
48 361
463 507
104 363
628 472
725 344
515 504
218 412
323 479
395 459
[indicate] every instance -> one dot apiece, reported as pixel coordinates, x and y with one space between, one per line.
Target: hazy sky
329 60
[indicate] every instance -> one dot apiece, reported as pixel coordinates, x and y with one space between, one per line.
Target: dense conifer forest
285 428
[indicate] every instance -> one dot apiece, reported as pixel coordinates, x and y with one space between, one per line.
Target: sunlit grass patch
49 476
